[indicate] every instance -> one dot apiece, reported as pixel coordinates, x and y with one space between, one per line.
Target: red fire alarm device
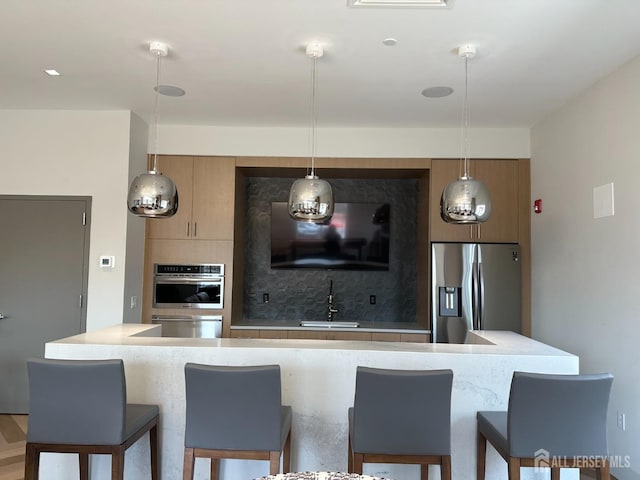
537 206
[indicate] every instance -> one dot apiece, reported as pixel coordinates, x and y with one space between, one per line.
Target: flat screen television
357 238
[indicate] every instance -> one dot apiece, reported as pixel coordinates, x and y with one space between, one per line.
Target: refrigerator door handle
474 296
480 297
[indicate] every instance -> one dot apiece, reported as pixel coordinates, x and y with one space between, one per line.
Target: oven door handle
190 281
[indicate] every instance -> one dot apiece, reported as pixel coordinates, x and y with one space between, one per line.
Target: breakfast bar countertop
494 342
318 381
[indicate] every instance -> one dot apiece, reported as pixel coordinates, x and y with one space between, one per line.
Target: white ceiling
242 62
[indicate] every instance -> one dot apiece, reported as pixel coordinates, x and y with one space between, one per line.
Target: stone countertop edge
380 327
483 342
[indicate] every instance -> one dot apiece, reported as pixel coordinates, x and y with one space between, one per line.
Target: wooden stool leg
187 466
481 456
357 463
603 473
31 462
117 463
445 468
274 463
286 454
153 446
215 468
349 455
424 471
514 468
83 463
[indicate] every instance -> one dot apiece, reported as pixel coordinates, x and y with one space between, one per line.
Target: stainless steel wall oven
188 286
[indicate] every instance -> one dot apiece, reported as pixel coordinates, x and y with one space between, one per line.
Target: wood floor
13 430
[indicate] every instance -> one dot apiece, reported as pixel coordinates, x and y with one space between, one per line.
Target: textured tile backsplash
301 294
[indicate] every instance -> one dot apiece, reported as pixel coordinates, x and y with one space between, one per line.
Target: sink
326 324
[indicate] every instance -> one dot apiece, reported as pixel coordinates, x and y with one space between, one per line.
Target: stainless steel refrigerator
475 286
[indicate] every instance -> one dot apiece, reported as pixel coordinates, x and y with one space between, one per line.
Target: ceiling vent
401 3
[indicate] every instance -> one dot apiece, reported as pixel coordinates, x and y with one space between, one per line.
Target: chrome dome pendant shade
465 200
311 198
151 194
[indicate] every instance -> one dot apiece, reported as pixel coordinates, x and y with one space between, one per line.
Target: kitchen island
318 381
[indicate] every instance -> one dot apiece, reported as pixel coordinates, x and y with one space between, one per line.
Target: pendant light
466 200
310 198
153 195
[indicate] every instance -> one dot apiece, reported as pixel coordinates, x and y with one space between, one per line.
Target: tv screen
357 238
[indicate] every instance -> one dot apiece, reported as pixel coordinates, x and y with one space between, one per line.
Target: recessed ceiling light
169 90
401 3
389 42
52 73
437 92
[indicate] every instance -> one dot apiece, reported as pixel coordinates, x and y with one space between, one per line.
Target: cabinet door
278 334
385 337
306 334
501 178
213 198
349 336
416 337
245 334
180 170
444 172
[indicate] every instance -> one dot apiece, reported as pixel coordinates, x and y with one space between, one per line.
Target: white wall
585 275
134 261
76 153
342 142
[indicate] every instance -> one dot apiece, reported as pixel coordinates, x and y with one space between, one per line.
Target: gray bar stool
79 406
235 412
401 416
553 421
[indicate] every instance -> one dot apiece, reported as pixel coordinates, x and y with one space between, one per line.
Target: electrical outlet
265 298
622 421
134 301
372 299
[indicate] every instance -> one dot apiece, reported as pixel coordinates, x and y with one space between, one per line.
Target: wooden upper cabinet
205 198
213 197
180 170
444 172
502 180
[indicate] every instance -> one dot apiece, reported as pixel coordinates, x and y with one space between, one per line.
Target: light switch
603 201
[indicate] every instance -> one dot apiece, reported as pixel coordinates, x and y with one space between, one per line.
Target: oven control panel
190 270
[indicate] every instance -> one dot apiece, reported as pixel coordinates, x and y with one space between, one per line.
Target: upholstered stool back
80 406
80 402
401 416
235 412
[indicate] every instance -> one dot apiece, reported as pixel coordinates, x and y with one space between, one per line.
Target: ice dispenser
450 304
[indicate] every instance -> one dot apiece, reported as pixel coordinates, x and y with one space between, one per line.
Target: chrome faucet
331 310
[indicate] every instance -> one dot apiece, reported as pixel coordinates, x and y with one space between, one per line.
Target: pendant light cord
314 115
156 116
466 117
